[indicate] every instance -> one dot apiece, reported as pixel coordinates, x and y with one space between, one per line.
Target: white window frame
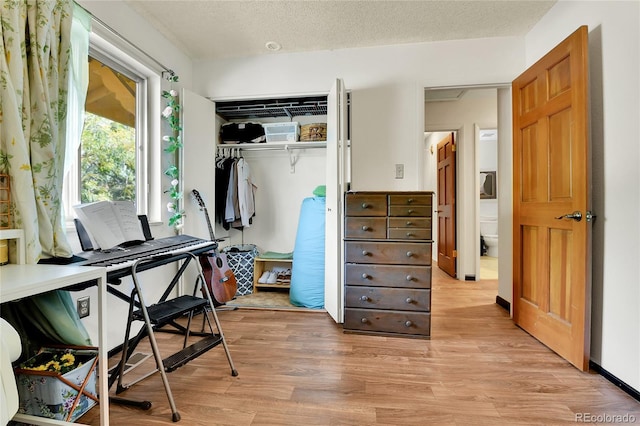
148 121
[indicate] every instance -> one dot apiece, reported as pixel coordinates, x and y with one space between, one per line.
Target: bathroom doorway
487 157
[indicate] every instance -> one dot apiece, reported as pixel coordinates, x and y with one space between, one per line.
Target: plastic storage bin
282 132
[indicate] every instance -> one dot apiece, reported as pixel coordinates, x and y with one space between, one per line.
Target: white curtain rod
165 69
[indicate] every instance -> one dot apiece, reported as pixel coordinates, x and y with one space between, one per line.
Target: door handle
577 216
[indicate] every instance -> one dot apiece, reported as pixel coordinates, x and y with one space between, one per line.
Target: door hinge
455 253
453 147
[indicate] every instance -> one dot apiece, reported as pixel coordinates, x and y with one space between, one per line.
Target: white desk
18 281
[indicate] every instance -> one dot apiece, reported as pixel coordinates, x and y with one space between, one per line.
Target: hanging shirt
246 192
223 169
232 194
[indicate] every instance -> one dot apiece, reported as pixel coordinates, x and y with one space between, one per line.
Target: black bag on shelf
246 132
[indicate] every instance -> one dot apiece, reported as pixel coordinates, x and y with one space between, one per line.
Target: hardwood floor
299 368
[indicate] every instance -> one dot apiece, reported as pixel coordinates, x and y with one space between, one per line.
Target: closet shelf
268 108
272 146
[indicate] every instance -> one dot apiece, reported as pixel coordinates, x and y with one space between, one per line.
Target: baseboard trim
504 303
613 379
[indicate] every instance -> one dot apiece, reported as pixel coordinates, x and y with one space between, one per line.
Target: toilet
489 232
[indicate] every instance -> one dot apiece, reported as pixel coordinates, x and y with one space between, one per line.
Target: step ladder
164 313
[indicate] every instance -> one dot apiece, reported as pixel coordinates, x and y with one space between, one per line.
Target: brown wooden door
552 251
447 205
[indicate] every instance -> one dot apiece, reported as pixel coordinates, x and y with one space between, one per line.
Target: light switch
399 171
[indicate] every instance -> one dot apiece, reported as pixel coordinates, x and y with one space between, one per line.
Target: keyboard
119 260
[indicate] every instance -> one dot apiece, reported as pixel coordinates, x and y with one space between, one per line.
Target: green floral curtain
34 72
35 58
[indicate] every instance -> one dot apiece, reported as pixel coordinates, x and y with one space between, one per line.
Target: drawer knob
365 253
409 254
364 298
410 211
365 276
410 234
364 320
365 205
365 228
410 200
409 300
409 223
408 323
409 277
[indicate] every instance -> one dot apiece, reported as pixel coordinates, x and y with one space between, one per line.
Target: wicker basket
313 132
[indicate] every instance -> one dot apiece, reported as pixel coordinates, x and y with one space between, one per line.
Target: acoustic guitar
218 275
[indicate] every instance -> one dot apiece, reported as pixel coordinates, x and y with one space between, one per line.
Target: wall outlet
83 306
399 171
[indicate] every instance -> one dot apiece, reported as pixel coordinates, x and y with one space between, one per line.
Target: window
108 143
115 160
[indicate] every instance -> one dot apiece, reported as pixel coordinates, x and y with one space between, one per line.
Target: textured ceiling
210 29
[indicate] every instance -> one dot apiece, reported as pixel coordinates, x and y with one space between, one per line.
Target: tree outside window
108 149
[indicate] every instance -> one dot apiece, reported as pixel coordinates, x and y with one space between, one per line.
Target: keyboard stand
164 313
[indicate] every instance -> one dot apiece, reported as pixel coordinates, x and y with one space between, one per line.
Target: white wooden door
335 183
197 165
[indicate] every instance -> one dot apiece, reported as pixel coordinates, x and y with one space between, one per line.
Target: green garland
171 114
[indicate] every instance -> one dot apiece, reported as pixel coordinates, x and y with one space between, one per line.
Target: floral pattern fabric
46 395
34 71
35 60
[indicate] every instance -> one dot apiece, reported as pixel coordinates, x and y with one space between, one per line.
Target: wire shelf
272 108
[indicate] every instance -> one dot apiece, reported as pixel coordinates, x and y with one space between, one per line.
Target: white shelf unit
18 235
261 264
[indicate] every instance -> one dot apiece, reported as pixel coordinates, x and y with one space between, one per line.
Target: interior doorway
487 156
465 111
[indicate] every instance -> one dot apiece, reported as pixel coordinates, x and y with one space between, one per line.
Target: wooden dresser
388 263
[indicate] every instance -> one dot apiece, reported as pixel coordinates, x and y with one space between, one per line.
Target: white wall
387 92
505 195
387 113
614 53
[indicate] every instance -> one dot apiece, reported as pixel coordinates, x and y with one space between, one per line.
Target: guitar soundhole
219 263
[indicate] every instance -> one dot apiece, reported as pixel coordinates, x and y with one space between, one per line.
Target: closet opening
288 173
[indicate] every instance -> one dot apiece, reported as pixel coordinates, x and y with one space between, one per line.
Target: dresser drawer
374 320
410 199
409 222
409 234
399 299
410 211
388 275
388 253
366 205
366 227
